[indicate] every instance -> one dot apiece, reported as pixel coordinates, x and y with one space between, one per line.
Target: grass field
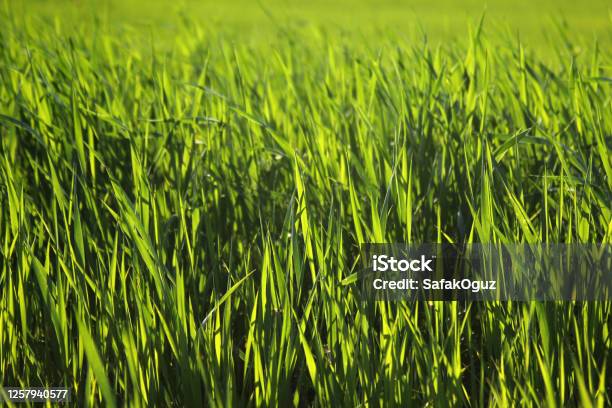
181 211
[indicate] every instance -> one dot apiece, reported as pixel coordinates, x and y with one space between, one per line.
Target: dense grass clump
181 227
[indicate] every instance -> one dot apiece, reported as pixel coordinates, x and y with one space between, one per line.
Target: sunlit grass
181 227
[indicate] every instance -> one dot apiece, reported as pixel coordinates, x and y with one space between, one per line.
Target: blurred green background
534 21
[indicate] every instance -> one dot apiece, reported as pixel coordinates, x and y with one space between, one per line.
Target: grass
181 226
260 21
